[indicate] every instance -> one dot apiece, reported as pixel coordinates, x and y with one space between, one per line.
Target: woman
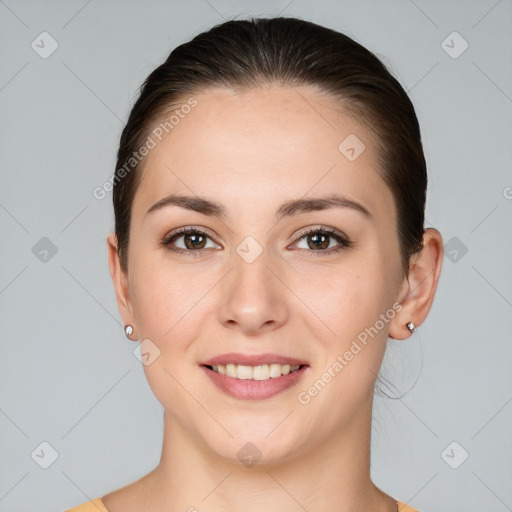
269 206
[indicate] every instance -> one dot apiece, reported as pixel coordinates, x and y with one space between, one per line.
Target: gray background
68 375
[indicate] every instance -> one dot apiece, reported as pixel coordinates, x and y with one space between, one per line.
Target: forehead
265 143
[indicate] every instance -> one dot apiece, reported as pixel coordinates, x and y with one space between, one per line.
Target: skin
251 151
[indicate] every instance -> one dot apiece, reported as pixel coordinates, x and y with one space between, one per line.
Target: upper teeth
260 372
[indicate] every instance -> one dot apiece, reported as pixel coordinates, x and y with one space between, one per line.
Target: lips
254 377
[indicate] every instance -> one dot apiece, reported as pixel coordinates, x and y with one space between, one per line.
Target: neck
334 475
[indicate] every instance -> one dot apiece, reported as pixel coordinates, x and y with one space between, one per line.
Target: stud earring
411 326
128 329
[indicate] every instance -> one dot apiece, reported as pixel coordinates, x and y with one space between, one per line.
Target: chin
255 447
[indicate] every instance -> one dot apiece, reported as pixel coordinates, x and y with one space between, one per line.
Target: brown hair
249 53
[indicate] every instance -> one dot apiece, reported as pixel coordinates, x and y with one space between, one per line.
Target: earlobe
420 286
120 281
128 330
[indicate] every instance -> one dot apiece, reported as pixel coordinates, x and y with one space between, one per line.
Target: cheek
163 298
167 306
345 298
172 302
152 295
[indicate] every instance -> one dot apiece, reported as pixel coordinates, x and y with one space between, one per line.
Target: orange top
96 505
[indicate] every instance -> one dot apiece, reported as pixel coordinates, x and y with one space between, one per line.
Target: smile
259 372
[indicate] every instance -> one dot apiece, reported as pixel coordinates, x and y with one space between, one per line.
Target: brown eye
319 240
193 241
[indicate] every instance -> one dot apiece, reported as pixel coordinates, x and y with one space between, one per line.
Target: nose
254 296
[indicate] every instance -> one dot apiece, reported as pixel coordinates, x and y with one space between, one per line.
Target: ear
120 281
418 289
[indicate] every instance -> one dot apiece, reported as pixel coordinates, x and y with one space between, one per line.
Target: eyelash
344 242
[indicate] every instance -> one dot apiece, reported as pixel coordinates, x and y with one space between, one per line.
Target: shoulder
95 505
402 507
128 498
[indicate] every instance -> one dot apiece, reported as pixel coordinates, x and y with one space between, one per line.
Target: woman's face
253 288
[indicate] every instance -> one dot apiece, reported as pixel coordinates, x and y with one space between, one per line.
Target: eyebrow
289 208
